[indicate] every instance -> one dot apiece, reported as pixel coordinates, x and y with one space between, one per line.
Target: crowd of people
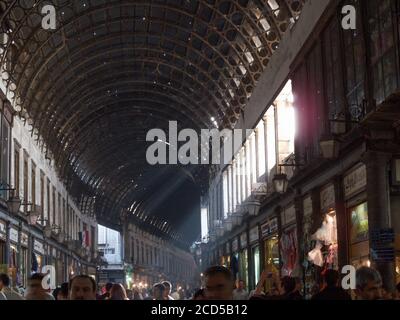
219 284
83 287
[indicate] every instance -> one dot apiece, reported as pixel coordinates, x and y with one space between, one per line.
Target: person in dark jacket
291 292
332 290
106 295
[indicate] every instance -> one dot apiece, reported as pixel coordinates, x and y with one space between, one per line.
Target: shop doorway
243 267
271 260
255 254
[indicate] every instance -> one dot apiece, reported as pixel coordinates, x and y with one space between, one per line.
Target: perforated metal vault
112 70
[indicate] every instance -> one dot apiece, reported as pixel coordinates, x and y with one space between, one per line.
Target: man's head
35 289
288 284
240 285
218 284
368 284
158 291
331 278
168 288
108 286
4 280
82 287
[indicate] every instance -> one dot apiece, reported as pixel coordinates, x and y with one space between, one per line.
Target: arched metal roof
113 69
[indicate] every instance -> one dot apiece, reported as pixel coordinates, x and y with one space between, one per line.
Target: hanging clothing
315 255
327 234
289 251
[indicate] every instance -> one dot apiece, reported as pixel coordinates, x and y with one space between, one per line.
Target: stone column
341 222
266 147
377 164
256 137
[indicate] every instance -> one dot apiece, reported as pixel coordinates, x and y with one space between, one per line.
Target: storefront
37 256
57 263
235 258
24 259
12 261
308 244
226 257
324 255
255 257
355 183
243 260
220 255
288 243
92 272
269 234
3 262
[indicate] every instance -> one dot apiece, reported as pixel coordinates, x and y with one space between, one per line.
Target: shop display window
288 252
359 223
256 265
243 267
324 254
359 236
271 249
2 252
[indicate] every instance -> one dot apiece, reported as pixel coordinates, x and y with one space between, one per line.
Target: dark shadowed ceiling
91 89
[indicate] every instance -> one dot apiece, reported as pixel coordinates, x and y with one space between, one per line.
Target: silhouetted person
61 292
158 291
199 295
168 289
290 289
332 290
368 284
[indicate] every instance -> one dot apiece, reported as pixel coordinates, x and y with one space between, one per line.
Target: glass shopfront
226 261
235 259
226 258
3 261
255 254
269 232
12 264
244 260
37 256
357 214
359 235
24 264
243 267
12 260
255 257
